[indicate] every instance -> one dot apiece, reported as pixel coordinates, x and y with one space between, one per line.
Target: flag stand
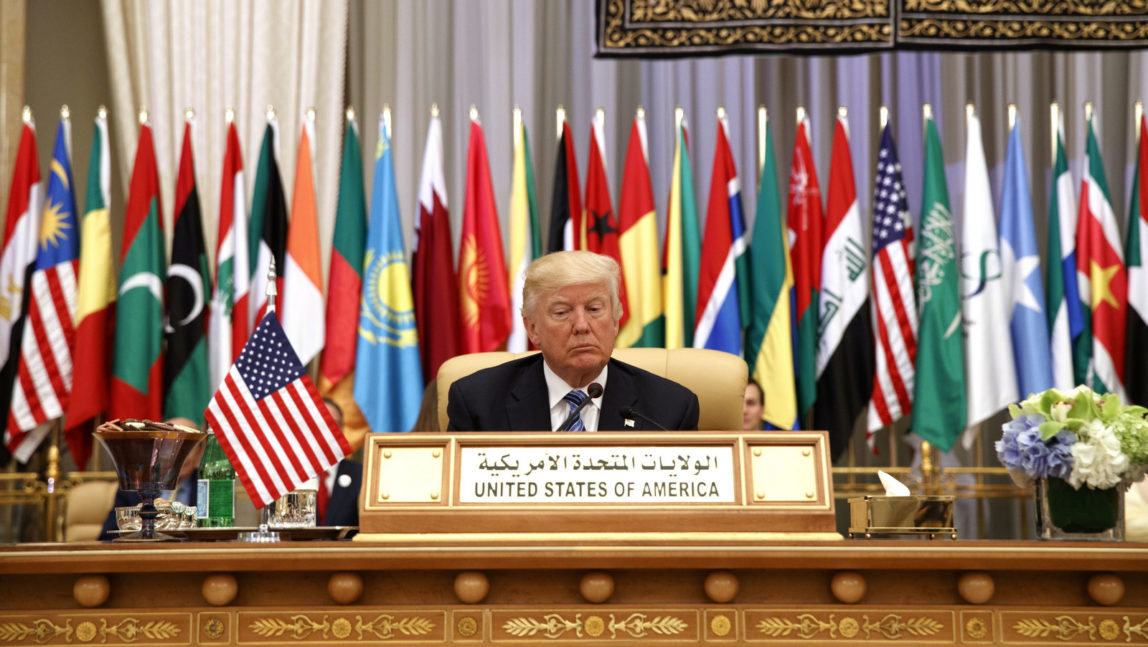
264 535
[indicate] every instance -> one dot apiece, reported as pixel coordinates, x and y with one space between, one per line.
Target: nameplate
588 474
428 487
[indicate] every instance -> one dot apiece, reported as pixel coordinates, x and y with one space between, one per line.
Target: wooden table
627 593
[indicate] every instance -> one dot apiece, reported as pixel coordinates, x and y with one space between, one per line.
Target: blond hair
557 270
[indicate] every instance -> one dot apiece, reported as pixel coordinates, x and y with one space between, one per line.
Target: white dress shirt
557 388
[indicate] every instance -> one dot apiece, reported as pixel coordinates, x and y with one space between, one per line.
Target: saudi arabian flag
939 392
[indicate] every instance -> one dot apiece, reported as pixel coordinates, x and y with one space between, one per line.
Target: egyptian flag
566 204
1136 252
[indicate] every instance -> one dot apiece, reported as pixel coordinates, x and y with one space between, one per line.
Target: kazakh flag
389 377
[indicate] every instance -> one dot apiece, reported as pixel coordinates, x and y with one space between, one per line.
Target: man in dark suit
571 311
338 503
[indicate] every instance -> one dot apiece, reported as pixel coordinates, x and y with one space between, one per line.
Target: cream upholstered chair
717 378
88 505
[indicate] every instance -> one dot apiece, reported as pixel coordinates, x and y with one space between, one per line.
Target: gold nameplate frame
542 486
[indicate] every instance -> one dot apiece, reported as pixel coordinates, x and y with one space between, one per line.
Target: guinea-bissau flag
185 378
601 227
337 363
137 366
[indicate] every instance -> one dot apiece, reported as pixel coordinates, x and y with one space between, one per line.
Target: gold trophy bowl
148 458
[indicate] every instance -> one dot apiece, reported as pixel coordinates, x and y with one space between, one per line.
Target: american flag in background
270 420
894 305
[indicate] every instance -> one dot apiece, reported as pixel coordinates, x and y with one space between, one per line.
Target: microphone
632 413
594 391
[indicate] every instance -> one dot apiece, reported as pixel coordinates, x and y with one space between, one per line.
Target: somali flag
388 374
1020 264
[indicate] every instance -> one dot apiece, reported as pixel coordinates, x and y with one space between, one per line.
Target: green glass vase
1086 514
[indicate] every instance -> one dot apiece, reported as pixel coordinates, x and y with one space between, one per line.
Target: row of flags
830 326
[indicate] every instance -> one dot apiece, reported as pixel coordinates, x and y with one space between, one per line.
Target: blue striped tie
573 399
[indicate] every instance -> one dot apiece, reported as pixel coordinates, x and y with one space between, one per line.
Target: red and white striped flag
270 420
894 305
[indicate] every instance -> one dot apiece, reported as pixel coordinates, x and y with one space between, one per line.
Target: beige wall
11 89
67 64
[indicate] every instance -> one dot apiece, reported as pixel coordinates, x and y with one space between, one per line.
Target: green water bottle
215 495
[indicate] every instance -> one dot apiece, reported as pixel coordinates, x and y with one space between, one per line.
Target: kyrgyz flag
682 247
303 271
845 348
484 297
137 367
939 392
638 241
525 240
227 326
344 289
185 376
435 282
1135 368
268 228
566 202
95 294
1103 281
769 338
805 249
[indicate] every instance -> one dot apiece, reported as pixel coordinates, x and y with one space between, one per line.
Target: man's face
575 328
751 413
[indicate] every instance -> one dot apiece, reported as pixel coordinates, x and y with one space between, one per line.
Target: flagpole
1054 119
762 124
1137 113
264 535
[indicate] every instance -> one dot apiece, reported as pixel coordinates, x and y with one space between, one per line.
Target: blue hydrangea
1021 449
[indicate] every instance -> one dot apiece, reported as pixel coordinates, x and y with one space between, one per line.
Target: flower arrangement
1078 436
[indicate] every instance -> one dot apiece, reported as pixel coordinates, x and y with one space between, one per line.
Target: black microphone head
627 413
594 390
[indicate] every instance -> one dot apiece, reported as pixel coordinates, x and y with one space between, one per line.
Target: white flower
1096 458
1059 411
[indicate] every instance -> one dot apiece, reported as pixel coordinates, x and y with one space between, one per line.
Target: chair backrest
88 505
717 378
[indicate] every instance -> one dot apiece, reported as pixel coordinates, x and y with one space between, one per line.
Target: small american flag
270 420
894 306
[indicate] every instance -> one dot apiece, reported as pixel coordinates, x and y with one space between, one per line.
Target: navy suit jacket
343 506
513 397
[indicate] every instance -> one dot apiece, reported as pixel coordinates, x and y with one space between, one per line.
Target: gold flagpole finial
229 115
143 116
640 113
559 119
842 112
473 112
927 111
679 116
883 116
1011 116
270 112
65 113
188 113
102 112
311 113
1088 112
26 115
434 110
349 113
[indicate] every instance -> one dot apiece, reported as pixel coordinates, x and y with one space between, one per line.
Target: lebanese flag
1101 275
601 232
435 283
303 276
485 294
227 327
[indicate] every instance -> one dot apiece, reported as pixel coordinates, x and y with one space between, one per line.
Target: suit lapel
527 407
620 392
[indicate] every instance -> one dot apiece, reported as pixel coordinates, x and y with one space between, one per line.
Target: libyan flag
185 379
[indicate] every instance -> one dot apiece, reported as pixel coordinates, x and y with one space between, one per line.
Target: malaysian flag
270 420
894 306
44 381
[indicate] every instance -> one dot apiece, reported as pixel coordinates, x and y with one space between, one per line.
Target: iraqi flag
845 347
